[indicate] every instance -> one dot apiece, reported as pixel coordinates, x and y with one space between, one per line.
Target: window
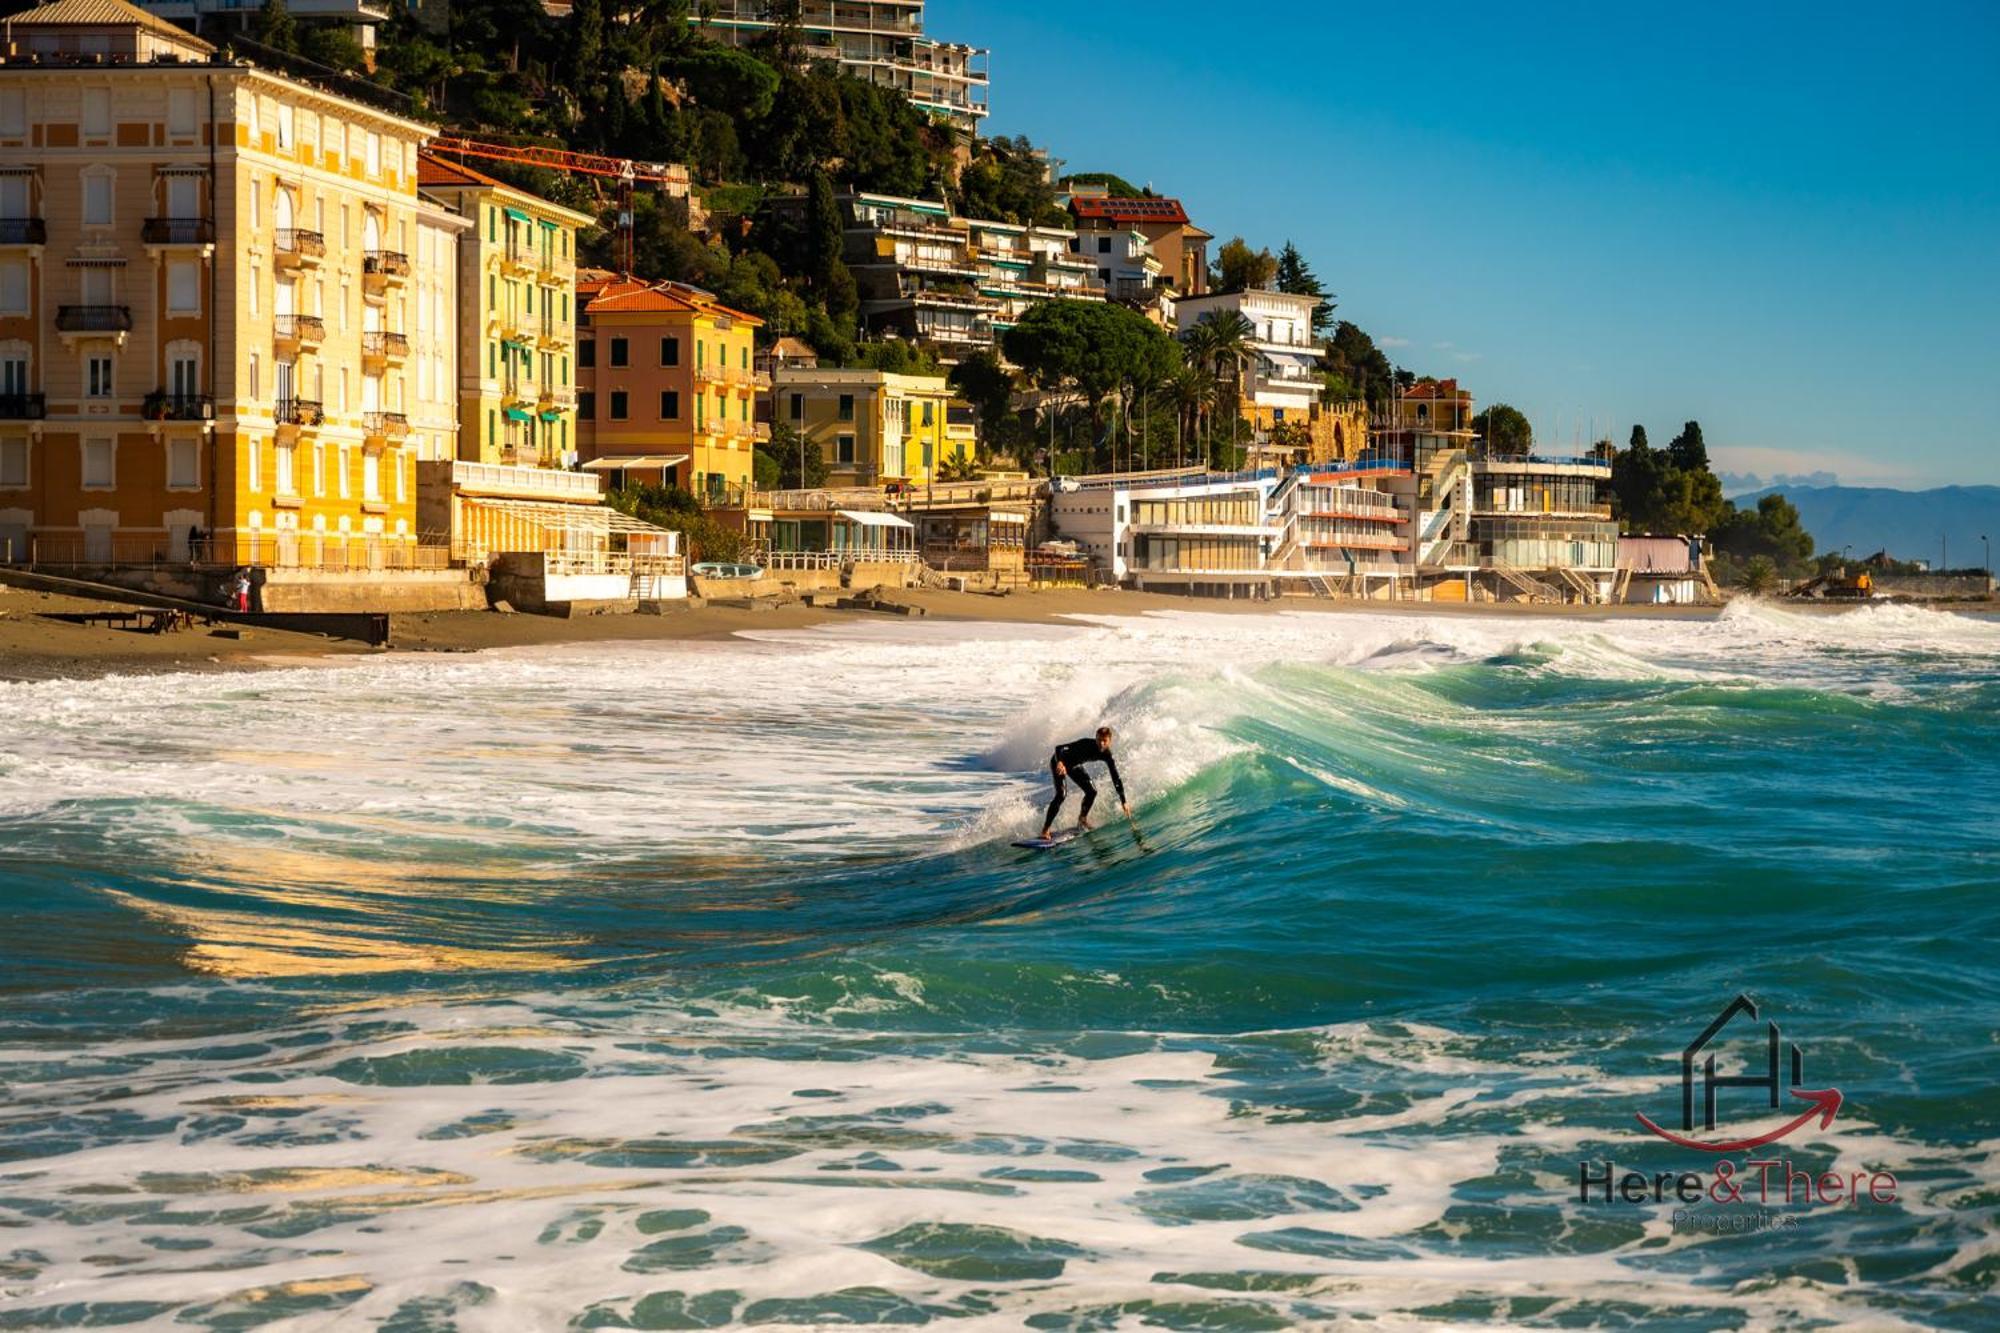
286 481
255 471
586 407
586 354
97 111
621 353
13 463
14 288
183 196
374 153
371 477
670 405
181 466
183 369
670 351
97 197
285 132
746 357
183 288
14 371
1104 245
340 470
618 405
847 407
927 413
13 113
100 465
798 407
97 376
843 449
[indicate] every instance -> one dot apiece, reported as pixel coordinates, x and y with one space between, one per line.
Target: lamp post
1989 554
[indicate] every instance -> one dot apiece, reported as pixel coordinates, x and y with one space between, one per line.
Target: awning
549 226
516 414
871 520
519 216
645 461
1007 516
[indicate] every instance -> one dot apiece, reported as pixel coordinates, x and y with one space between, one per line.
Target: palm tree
1225 338
1192 390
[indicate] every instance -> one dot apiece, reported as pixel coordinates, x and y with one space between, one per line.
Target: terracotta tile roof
636 296
1130 210
436 172
1436 389
103 13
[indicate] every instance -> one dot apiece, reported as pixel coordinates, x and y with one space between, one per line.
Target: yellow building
517 318
203 269
667 374
874 428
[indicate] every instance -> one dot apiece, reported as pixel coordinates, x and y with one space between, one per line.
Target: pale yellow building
204 304
874 428
517 318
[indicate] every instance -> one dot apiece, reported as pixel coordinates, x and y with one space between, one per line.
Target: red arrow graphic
1826 1103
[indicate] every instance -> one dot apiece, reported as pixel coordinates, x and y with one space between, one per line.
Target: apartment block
668 386
955 283
1281 384
204 293
882 41
873 428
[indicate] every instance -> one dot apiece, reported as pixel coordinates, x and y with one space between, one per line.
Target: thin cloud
1468 356
1392 342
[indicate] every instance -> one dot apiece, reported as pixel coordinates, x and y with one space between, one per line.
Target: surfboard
1054 840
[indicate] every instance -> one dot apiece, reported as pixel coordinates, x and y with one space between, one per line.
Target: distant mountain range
1908 524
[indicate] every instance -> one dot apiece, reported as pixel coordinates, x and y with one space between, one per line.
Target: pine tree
276 28
1296 277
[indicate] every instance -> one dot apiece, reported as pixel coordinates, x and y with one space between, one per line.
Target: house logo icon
1825 1103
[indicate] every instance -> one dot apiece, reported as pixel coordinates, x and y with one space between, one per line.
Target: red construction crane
624 170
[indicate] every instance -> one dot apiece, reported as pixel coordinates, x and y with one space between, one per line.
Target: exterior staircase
1527 585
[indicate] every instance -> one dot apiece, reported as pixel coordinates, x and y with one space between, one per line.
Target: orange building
667 385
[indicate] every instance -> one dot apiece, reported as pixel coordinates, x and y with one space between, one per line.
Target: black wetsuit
1068 761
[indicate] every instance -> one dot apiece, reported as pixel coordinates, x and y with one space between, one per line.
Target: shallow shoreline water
670 984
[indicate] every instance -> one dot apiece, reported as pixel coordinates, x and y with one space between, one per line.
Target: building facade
955 284
882 41
666 371
1180 247
201 328
1280 384
874 428
516 318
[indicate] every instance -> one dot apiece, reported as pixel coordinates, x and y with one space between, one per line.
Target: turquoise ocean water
667 986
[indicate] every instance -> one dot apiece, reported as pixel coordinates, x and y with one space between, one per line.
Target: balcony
24 231
558 399
378 348
380 427
519 392
114 321
162 405
291 332
177 231
552 334
553 271
518 260
23 406
381 269
296 413
300 249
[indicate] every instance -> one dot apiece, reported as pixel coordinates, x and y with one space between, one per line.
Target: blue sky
1781 220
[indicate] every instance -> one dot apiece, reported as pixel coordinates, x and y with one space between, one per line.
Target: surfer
1066 764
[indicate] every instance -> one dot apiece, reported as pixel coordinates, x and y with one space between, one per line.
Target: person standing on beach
1067 763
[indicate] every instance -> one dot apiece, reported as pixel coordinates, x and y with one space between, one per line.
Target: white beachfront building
1284 383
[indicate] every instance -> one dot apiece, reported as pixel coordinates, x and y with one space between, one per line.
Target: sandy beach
43 636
